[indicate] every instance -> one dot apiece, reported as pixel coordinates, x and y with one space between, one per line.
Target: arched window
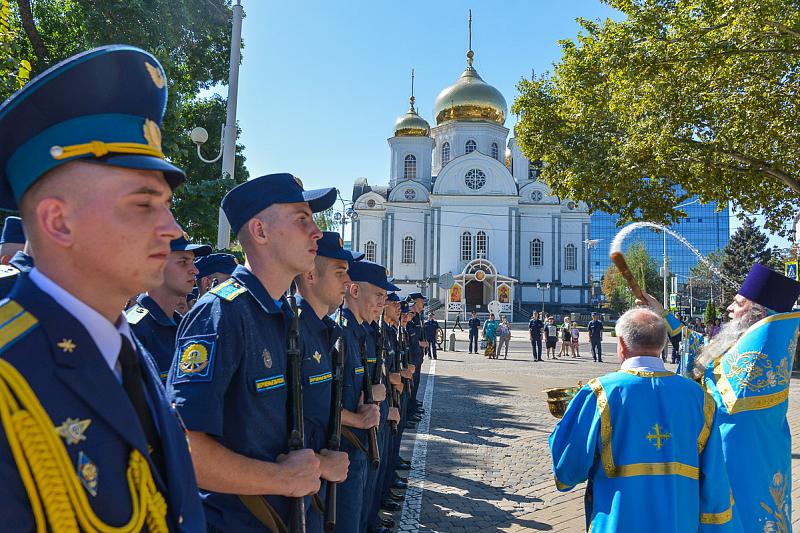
536 253
534 169
471 146
466 246
408 249
570 257
481 244
475 179
369 251
410 167
445 153
495 152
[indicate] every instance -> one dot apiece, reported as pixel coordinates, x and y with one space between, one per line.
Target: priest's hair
641 328
727 337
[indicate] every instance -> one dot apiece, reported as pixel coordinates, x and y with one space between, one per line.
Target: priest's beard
727 337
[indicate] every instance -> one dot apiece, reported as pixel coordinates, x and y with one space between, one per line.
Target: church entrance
474 296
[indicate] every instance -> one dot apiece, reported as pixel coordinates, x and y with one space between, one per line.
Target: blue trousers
350 493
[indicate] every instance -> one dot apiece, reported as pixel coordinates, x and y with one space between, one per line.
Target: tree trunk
28 24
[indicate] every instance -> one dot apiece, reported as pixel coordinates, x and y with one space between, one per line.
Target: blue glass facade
704 227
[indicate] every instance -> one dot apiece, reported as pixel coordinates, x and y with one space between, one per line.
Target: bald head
642 332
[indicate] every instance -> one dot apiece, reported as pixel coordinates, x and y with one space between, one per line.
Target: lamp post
347 213
542 288
228 135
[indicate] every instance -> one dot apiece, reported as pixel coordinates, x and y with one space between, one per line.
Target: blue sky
322 82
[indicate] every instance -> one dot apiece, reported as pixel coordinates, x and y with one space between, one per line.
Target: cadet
322 290
213 269
155 318
431 327
363 300
419 344
13 258
95 440
229 370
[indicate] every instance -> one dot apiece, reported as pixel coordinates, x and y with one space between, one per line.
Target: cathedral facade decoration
462 199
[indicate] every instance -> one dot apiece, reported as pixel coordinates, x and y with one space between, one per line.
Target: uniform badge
87 472
72 430
67 345
152 134
155 75
317 357
196 361
267 357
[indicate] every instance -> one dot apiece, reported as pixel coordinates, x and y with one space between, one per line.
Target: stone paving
487 463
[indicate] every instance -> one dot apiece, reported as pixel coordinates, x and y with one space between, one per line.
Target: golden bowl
558 399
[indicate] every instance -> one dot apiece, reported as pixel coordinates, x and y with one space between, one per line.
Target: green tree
705 284
325 221
14 70
748 245
644 269
711 313
689 93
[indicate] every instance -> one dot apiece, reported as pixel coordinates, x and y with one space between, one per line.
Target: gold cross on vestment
656 438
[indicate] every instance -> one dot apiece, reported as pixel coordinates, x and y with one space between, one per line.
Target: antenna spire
470 53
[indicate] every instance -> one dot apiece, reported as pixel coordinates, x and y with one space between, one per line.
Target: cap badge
341 242
155 75
152 134
317 357
298 181
185 235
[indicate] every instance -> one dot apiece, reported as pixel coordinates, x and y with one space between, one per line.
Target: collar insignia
72 430
67 345
317 357
87 472
267 357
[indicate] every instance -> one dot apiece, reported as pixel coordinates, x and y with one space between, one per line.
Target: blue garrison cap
215 263
244 201
182 244
12 231
370 272
392 297
104 106
771 289
331 245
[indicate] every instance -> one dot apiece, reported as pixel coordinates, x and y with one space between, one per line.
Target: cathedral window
475 179
481 244
410 194
536 253
534 169
371 203
466 246
369 251
495 152
445 153
536 196
408 249
410 168
570 257
471 146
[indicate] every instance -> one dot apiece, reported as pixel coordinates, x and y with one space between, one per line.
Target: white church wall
409 222
419 147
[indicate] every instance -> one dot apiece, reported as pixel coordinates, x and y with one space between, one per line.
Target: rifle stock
372 433
295 407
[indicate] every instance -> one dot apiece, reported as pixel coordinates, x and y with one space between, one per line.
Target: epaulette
229 289
16 323
135 314
8 270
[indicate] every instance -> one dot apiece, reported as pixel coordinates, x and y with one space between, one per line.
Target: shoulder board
7 271
16 323
135 314
229 289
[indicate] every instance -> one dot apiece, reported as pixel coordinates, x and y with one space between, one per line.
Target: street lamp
347 213
228 136
542 288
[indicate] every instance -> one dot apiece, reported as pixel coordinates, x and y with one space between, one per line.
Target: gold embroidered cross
655 438
67 345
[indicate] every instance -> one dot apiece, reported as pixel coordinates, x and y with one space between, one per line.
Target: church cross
656 438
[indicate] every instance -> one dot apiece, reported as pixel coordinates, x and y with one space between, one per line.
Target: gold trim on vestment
648 373
748 403
708 417
718 518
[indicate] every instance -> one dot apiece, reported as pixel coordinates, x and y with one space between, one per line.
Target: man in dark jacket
595 328
474 327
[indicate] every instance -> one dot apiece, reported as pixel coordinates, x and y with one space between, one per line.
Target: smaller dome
411 124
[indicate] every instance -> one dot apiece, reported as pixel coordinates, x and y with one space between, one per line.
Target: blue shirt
474 324
535 327
430 330
595 328
229 380
155 330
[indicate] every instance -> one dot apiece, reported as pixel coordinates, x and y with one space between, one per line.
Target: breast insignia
135 314
87 472
73 430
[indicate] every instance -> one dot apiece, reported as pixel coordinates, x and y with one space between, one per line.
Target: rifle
295 406
380 348
372 433
338 353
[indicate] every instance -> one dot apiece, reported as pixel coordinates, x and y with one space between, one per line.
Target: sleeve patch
320 378
270 383
196 361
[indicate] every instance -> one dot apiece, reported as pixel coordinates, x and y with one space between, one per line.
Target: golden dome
411 124
470 98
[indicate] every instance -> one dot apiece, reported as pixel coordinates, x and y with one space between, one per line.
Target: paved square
486 460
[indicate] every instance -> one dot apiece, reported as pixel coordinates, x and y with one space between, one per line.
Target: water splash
616 246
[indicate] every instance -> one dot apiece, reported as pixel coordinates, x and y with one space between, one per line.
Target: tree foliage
644 269
748 245
325 221
191 39
711 313
14 69
680 97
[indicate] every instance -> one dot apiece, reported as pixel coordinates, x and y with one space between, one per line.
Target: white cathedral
457 203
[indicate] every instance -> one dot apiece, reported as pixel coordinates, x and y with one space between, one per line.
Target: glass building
704 227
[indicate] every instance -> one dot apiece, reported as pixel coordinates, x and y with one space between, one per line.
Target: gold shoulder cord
55 493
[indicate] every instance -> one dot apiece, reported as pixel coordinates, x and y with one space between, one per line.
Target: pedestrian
489 335
96 444
595 329
566 338
458 323
431 327
503 336
535 327
474 326
551 337
576 352
668 468
714 328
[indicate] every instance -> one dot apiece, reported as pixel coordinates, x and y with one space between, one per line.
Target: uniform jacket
155 330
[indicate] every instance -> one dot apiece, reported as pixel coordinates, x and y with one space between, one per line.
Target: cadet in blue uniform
13 259
431 326
419 344
229 371
80 157
154 319
213 269
321 291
